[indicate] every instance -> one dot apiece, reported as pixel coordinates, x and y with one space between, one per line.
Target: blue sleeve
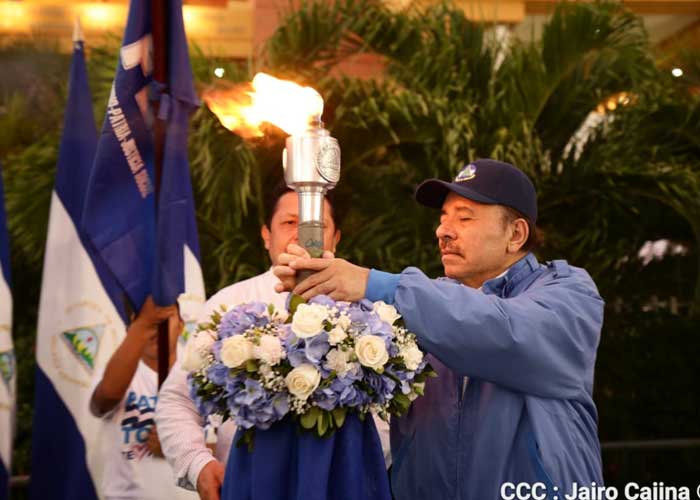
542 342
382 286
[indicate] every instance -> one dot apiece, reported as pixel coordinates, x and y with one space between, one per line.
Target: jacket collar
515 274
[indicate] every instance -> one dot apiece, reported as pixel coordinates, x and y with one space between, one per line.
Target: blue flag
148 252
7 357
79 326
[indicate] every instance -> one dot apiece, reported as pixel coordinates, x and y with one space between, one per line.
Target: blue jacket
513 398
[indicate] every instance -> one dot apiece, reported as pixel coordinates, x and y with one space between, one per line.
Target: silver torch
311 159
311 163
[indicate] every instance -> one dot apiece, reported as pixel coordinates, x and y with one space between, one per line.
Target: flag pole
159 32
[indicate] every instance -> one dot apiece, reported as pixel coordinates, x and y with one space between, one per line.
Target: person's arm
122 365
542 342
180 427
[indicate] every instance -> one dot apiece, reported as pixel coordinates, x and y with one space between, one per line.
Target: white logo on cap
467 173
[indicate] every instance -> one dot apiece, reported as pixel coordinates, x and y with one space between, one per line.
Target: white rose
308 320
412 356
236 350
386 312
303 380
337 359
270 350
371 351
196 351
336 335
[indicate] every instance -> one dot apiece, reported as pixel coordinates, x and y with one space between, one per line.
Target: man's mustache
447 247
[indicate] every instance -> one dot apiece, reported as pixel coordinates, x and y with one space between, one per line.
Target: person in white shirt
125 397
180 426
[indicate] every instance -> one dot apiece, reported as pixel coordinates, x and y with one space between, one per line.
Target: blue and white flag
79 326
7 356
120 216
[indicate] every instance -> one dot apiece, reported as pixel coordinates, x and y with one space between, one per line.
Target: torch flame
244 108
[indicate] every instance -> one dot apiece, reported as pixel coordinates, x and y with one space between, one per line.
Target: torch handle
311 238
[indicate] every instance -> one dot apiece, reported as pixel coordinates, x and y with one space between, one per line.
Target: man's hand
154 443
337 278
209 481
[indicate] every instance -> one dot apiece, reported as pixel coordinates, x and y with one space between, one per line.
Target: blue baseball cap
485 181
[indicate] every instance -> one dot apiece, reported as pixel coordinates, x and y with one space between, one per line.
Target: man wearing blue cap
513 341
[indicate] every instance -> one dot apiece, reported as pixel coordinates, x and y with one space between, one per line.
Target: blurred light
191 17
677 72
97 13
11 14
611 105
219 72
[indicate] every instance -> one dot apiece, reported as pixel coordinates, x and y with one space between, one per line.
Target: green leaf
308 419
247 439
322 423
339 416
251 366
402 401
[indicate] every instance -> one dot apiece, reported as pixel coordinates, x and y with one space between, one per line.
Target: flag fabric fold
148 252
8 365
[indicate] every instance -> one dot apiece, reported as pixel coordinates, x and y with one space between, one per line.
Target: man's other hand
286 274
337 278
210 479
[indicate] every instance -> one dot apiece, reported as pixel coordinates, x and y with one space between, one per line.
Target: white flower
336 335
236 350
270 350
386 312
412 356
338 360
308 320
196 351
344 321
303 380
371 351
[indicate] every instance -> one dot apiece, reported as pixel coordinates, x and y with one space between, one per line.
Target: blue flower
323 300
251 405
326 399
352 396
218 373
241 318
251 392
311 350
296 354
316 348
280 405
382 386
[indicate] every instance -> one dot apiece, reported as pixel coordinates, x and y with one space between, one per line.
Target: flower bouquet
325 365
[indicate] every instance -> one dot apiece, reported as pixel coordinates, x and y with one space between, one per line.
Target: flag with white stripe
79 326
8 365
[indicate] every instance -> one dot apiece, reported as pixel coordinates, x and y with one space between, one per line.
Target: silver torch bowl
311 163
